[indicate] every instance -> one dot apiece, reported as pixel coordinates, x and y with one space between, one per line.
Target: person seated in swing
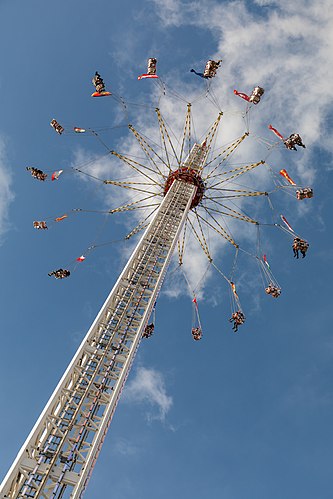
151 66
60 273
292 140
36 173
98 83
273 290
148 331
300 245
57 127
196 333
238 318
296 246
211 68
297 139
256 95
303 247
305 193
40 225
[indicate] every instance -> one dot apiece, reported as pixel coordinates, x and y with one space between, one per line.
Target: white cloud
148 388
287 49
125 448
6 193
263 3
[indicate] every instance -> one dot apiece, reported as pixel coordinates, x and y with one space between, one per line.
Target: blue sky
233 416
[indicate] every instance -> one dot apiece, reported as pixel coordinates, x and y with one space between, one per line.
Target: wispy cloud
148 389
125 448
309 391
6 192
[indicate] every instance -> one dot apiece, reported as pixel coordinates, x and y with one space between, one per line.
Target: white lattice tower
59 454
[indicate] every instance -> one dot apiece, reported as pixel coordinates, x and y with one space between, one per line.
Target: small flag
242 95
141 77
265 260
81 258
233 287
274 130
286 222
285 174
56 175
60 218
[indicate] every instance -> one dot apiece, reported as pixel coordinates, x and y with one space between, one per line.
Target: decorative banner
60 218
265 260
100 94
274 130
242 95
285 174
233 287
56 175
141 77
286 222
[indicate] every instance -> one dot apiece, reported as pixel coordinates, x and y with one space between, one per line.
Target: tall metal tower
59 455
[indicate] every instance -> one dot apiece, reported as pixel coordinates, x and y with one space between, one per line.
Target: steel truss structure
59 454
